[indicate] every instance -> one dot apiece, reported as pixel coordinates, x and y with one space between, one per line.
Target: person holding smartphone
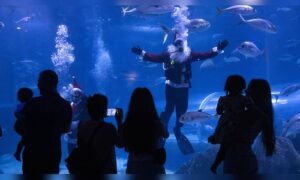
99 137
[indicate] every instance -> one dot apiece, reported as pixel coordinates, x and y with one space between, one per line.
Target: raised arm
195 56
157 58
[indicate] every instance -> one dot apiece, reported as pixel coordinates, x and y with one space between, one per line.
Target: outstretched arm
195 56
158 58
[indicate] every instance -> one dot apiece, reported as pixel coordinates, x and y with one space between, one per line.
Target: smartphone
111 112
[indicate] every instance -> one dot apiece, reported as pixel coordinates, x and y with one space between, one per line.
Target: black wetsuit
177 74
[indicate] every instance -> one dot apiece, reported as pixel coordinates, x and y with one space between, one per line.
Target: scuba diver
177 62
79 111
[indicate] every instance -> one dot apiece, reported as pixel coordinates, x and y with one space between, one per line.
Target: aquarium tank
98 47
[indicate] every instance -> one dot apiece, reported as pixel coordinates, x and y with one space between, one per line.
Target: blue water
102 39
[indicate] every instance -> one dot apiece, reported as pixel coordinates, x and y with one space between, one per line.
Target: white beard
179 56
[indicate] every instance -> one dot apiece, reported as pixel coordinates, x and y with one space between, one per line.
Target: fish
198 25
215 36
283 9
261 24
149 10
193 25
195 117
285 57
287 91
213 97
231 59
290 90
238 9
291 43
150 65
207 63
2 25
24 19
249 50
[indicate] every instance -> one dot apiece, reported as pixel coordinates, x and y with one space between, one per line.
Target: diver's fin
183 143
219 11
166 32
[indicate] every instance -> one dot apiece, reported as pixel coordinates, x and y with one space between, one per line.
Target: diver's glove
137 50
222 45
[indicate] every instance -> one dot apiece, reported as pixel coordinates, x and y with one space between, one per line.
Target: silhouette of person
143 134
45 119
229 108
100 137
258 118
23 95
178 72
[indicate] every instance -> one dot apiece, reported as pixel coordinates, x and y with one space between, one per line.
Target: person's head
260 92
139 124
76 94
24 94
234 85
97 106
47 82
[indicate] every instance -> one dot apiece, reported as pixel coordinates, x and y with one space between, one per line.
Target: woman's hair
260 92
139 128
97 106
234 85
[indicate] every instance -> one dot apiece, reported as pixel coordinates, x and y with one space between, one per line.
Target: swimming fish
198 25
238 9
193 25
195 117
284 9
2 24
231 59
291 43
249 50
149 10
24 19
290 90
287 91
217 35
285 57
261 24
207 63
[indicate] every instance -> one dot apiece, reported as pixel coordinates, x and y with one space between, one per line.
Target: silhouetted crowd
42 120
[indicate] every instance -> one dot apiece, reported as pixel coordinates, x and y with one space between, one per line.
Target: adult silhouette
45 119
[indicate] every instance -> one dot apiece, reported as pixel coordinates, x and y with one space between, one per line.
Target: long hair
260 92
139 128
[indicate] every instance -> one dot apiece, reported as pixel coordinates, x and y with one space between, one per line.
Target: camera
112 112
